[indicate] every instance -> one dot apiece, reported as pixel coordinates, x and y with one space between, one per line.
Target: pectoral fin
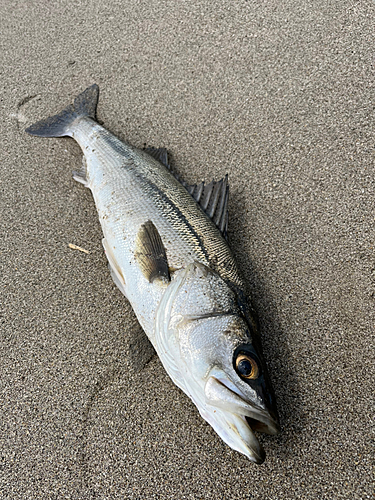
150 253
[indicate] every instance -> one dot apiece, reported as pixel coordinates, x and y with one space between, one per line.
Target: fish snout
235 419
221 393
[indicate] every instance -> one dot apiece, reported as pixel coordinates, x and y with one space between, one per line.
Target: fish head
207 347
238 395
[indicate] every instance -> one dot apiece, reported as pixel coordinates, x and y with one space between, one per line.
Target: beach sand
279 95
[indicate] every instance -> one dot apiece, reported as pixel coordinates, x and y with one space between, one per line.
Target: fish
167 248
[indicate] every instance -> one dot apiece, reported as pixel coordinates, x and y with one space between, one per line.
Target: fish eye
247 367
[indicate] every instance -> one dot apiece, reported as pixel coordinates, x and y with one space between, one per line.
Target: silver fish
167 251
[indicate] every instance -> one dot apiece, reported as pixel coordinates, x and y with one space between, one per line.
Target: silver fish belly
167 251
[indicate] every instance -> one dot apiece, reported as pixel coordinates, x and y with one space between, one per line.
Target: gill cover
194 294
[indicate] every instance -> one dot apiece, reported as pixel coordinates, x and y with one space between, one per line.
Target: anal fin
80 175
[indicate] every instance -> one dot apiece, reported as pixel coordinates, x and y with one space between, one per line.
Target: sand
279 95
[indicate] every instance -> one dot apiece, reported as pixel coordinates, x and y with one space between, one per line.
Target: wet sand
279 95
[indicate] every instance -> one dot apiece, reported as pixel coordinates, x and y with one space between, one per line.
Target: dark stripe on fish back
123 149
120 147
228 271
178 217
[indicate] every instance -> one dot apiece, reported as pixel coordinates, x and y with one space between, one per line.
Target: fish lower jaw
221 393
236 432
250 446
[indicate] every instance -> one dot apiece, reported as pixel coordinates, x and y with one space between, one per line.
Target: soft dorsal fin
150 253
212 198
160 154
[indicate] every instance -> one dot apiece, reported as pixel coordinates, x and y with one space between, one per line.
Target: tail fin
58 125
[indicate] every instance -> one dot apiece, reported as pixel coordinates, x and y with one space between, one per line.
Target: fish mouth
263 421
258 454
236 419
266 428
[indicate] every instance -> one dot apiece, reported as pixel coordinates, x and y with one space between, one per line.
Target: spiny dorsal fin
150 253
212 198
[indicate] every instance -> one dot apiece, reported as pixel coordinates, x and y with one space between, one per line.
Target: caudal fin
58 125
